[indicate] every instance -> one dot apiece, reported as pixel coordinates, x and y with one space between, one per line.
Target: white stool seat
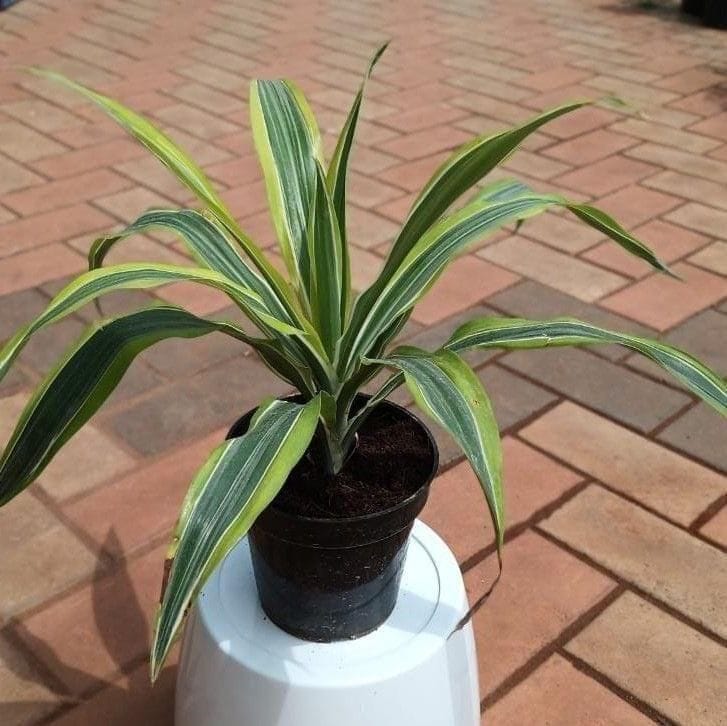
239 669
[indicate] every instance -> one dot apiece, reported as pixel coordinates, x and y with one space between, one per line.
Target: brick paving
611 608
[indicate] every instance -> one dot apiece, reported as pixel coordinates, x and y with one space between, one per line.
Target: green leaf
238 481
448 390
338 168
93 284
427 259
500 204
510 189
166 150
609 226
520 333
82 381
208 242
470 163
183 167
325 253
288 144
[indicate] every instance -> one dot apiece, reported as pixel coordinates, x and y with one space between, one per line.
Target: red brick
426 142
467 281
245 199
95 157
634 205
709 221
422 117
365 268
606 175
367 229
413 175
130 699
129 204
99 630
65 191
21 143
366 192
691 80
543 590
143 505
667 665
33 268
208 99
580 700
715 126
198 299
457 510
259 227
668 241
580 122
15 176
553 78
89 134
40 114
54 226
235 172
661 302
24 696
590 147
716 528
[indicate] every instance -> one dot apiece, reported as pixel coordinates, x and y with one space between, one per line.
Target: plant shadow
128 700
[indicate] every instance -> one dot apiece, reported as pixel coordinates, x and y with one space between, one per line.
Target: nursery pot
715 13
693 7
329 579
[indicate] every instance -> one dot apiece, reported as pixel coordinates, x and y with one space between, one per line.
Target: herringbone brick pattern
611 608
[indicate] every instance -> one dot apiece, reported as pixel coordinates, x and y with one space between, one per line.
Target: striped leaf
82 381
338 167
240 479
470 163
499 205
208 243
448 390
439 246
93 284
166 150
288 144
182 166
520 333
326 258
510 189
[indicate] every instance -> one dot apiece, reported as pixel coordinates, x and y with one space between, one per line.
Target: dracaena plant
311 331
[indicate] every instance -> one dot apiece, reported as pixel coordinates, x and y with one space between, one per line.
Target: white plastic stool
238 669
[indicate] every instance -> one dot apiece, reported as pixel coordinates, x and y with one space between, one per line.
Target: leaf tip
668 271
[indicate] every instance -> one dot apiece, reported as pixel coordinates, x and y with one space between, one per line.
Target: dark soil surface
392 460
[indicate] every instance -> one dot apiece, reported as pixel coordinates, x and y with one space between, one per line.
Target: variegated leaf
288 144
448 390
93 284
520 333
240 479
83 380
325 254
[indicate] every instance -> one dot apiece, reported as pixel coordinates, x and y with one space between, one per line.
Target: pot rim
362 518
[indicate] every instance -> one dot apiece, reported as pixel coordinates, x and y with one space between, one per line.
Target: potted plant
329 481
712 12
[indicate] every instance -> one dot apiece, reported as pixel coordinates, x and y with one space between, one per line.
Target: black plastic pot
693 7
712 12
334 579
715 13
